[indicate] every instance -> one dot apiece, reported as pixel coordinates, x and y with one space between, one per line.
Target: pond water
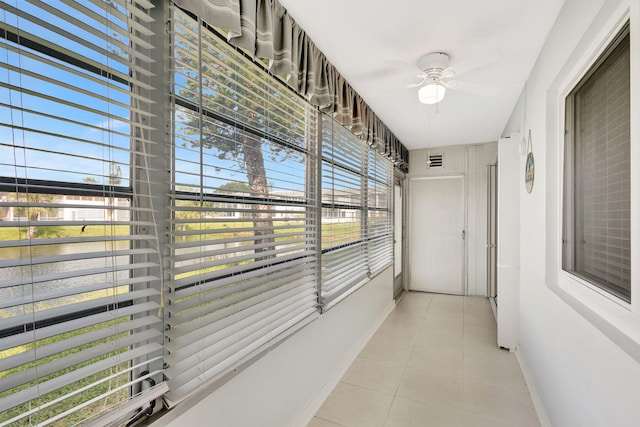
38 288
9 275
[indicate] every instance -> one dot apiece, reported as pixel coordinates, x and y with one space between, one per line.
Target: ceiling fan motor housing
436 61
434 69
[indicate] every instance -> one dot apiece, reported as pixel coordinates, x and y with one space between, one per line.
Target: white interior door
437 235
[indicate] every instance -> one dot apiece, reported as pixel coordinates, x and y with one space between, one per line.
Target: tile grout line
329 421
406 363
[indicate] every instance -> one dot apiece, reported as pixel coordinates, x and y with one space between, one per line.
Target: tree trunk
262 221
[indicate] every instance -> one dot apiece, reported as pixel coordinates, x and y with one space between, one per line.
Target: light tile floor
433 362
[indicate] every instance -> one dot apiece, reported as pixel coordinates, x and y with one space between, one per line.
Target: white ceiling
375 44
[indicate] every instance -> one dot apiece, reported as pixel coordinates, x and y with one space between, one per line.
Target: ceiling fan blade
449 84
473 62
474 88
411 85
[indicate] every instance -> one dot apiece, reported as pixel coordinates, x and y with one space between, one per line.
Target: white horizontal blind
379 213
78 293
344 245
243 244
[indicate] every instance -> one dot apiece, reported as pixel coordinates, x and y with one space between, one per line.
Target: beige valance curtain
264 29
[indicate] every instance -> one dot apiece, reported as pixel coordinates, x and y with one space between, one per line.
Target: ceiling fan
437 75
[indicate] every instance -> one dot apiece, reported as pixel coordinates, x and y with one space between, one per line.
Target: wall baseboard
310 410
543 416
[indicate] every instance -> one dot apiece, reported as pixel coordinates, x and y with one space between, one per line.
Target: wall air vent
435 160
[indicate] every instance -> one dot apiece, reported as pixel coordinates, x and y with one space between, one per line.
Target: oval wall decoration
530 166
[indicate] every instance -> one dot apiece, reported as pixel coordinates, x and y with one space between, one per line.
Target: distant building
81 208
6 212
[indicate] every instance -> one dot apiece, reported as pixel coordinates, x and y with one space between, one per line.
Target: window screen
597 174
243 244
78 257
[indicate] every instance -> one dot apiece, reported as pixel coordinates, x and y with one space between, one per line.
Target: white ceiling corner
375 44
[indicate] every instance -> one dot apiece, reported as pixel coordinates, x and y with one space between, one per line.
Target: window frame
573 189
612 316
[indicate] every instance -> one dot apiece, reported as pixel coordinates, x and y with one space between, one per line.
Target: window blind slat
60 363
116 59
216 274
70 326
79 273
15 360
259 342
246 293
206 361
273 272
298 243
72 240
65 292
232 317
89 304
73 257
278 254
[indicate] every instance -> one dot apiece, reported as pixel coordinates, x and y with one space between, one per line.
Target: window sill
344 295
354 288
610 315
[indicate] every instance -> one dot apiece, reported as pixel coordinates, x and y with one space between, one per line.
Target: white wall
287 386
470 161
583 377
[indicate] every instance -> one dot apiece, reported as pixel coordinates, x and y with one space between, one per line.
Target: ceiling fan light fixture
431 93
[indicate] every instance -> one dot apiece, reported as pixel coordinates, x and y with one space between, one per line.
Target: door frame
465 245
492 230
400 281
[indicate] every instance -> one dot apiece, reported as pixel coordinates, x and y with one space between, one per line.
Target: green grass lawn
62 231
75 400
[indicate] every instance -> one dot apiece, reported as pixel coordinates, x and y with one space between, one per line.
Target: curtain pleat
265 23
248 25
265 30
280 64
342 106
318 89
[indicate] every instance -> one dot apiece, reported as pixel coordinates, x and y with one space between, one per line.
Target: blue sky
65 149
52 144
